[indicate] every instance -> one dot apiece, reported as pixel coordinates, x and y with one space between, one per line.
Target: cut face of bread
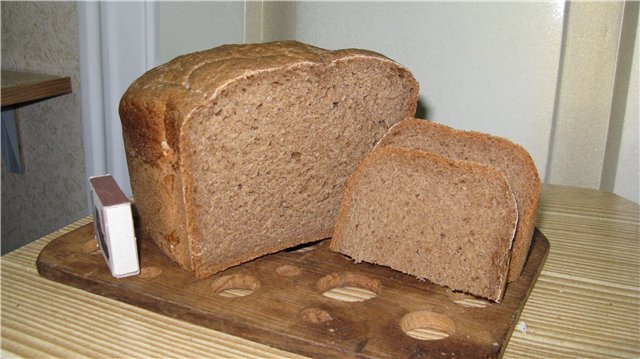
513 160
451 222
245 150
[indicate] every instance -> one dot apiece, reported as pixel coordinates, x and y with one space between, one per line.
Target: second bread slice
451 222
513 160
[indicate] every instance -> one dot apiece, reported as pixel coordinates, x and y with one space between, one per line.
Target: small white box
113 224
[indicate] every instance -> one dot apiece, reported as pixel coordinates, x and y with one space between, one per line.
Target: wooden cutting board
293 300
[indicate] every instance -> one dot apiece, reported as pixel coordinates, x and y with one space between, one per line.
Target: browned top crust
203 73
178 88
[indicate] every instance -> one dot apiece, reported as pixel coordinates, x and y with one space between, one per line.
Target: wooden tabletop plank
586 303
55 320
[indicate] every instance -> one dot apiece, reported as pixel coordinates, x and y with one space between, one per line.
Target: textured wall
627 183
543 74
490 67
43 37
194 26
583 100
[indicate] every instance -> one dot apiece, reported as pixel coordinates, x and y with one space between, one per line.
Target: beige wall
552 76
187 27
43 37
590 103
627 167
546 75
556 77
490 67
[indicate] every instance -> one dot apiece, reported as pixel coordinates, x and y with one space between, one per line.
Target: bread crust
528 196
173 91
157 106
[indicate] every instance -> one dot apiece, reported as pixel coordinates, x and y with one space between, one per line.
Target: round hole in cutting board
288 270
472 302
426 325
350 294
235 285
349 286
91 247
149 272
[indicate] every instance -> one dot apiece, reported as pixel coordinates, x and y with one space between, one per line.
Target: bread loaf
513 160
244 150
449 221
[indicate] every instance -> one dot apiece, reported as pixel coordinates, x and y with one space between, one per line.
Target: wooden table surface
586 303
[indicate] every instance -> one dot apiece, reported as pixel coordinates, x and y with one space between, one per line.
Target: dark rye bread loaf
244 150
513 160
451 222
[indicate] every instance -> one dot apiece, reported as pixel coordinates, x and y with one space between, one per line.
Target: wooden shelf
19 87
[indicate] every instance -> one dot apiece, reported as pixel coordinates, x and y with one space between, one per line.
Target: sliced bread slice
513 160
449 221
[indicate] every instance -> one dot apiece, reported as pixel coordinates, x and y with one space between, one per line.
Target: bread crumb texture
451 222
513 160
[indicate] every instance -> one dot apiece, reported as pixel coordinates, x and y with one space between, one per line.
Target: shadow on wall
422 111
